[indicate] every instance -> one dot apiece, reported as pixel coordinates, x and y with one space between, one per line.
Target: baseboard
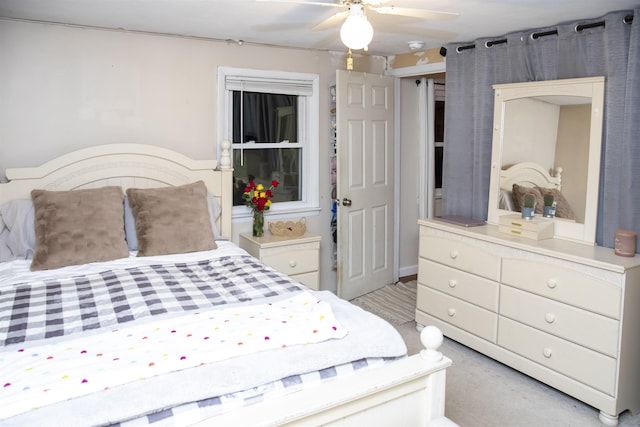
410 270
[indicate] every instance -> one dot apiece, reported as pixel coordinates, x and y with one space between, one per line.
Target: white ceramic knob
452 283
547 352
551 283
550 317
292 263
454 254
451 312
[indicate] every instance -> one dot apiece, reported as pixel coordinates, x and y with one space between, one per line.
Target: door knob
346 202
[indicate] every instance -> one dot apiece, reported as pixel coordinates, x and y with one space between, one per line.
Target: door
365 152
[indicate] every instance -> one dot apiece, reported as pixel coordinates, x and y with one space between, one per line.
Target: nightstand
297 257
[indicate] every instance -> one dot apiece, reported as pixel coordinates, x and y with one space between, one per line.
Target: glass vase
258 224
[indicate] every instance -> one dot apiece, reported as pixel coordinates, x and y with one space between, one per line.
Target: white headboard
529 174
126 165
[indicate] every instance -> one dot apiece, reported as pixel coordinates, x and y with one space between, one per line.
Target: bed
128 340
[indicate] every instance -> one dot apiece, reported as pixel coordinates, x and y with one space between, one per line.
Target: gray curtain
609 46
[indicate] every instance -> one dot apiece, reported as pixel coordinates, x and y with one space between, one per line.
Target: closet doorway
419 184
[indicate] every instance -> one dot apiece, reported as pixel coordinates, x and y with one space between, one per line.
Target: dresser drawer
472 259
563 284
581 364
291 260
582 327
465 286
463 315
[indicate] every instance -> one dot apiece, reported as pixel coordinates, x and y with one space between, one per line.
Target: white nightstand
297 257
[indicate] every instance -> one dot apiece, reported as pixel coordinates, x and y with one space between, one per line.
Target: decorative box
537 228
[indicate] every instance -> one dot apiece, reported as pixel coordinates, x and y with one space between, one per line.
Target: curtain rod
628 19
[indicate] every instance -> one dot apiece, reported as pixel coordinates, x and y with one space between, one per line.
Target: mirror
548 135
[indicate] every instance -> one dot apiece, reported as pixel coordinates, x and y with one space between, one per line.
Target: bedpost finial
225 154
431 338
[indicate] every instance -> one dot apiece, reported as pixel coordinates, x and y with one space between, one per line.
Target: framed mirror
547 138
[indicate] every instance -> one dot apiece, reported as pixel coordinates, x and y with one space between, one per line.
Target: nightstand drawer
563 284
596 332
469 317
311 280
297 257
470 288
589 367
292 260
456 254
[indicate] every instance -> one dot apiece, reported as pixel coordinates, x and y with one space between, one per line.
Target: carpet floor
480 391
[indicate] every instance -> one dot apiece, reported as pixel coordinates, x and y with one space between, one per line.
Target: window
271 119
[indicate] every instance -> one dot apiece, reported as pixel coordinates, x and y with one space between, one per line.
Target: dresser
565 313
297 257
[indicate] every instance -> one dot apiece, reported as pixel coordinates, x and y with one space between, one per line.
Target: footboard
408 392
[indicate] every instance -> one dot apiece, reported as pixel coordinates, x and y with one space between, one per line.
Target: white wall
65 88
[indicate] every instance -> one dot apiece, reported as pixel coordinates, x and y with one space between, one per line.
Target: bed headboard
529 174
126 165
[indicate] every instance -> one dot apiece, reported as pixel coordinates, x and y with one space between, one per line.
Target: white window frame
308 134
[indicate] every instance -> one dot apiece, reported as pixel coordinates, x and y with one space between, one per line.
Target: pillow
78 227
563 209
519 193
505 201
18 217
172 219
5 251
130 224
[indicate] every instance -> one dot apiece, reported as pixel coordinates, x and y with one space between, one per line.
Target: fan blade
417 13
331 21
313 3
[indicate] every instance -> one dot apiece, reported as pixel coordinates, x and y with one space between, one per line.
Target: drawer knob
292 263
550 317
452 283
454 254
552 283
547 352
451 312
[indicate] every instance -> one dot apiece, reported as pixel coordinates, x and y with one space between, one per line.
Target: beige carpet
480 391
396 303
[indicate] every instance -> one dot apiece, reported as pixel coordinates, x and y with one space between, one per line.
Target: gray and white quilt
54 313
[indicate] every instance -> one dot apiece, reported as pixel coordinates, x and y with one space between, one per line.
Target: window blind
269 85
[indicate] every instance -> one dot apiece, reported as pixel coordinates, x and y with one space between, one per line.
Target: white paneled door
365 112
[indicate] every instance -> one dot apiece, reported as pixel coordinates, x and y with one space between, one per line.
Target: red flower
258 200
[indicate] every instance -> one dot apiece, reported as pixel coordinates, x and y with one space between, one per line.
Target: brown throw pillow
519 192
563 209
78 227
172 220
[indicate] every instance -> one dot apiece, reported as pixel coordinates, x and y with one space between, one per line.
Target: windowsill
276 214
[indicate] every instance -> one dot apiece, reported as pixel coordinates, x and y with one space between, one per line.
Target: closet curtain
610 48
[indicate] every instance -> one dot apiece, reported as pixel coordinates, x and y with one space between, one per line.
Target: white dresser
565 313
297 257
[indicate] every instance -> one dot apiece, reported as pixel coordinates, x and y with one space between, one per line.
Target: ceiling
290 24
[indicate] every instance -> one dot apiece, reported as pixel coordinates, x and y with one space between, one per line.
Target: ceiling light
356 32
416 44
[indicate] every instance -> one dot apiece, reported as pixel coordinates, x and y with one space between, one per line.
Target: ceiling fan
356 31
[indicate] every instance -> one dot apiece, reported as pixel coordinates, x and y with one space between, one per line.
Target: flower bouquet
259 200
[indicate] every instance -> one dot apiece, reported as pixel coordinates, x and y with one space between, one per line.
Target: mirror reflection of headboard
539 125
529 174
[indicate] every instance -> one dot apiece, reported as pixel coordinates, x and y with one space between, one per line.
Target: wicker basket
288 228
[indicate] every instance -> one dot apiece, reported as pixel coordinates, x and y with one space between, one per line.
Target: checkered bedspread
52 308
